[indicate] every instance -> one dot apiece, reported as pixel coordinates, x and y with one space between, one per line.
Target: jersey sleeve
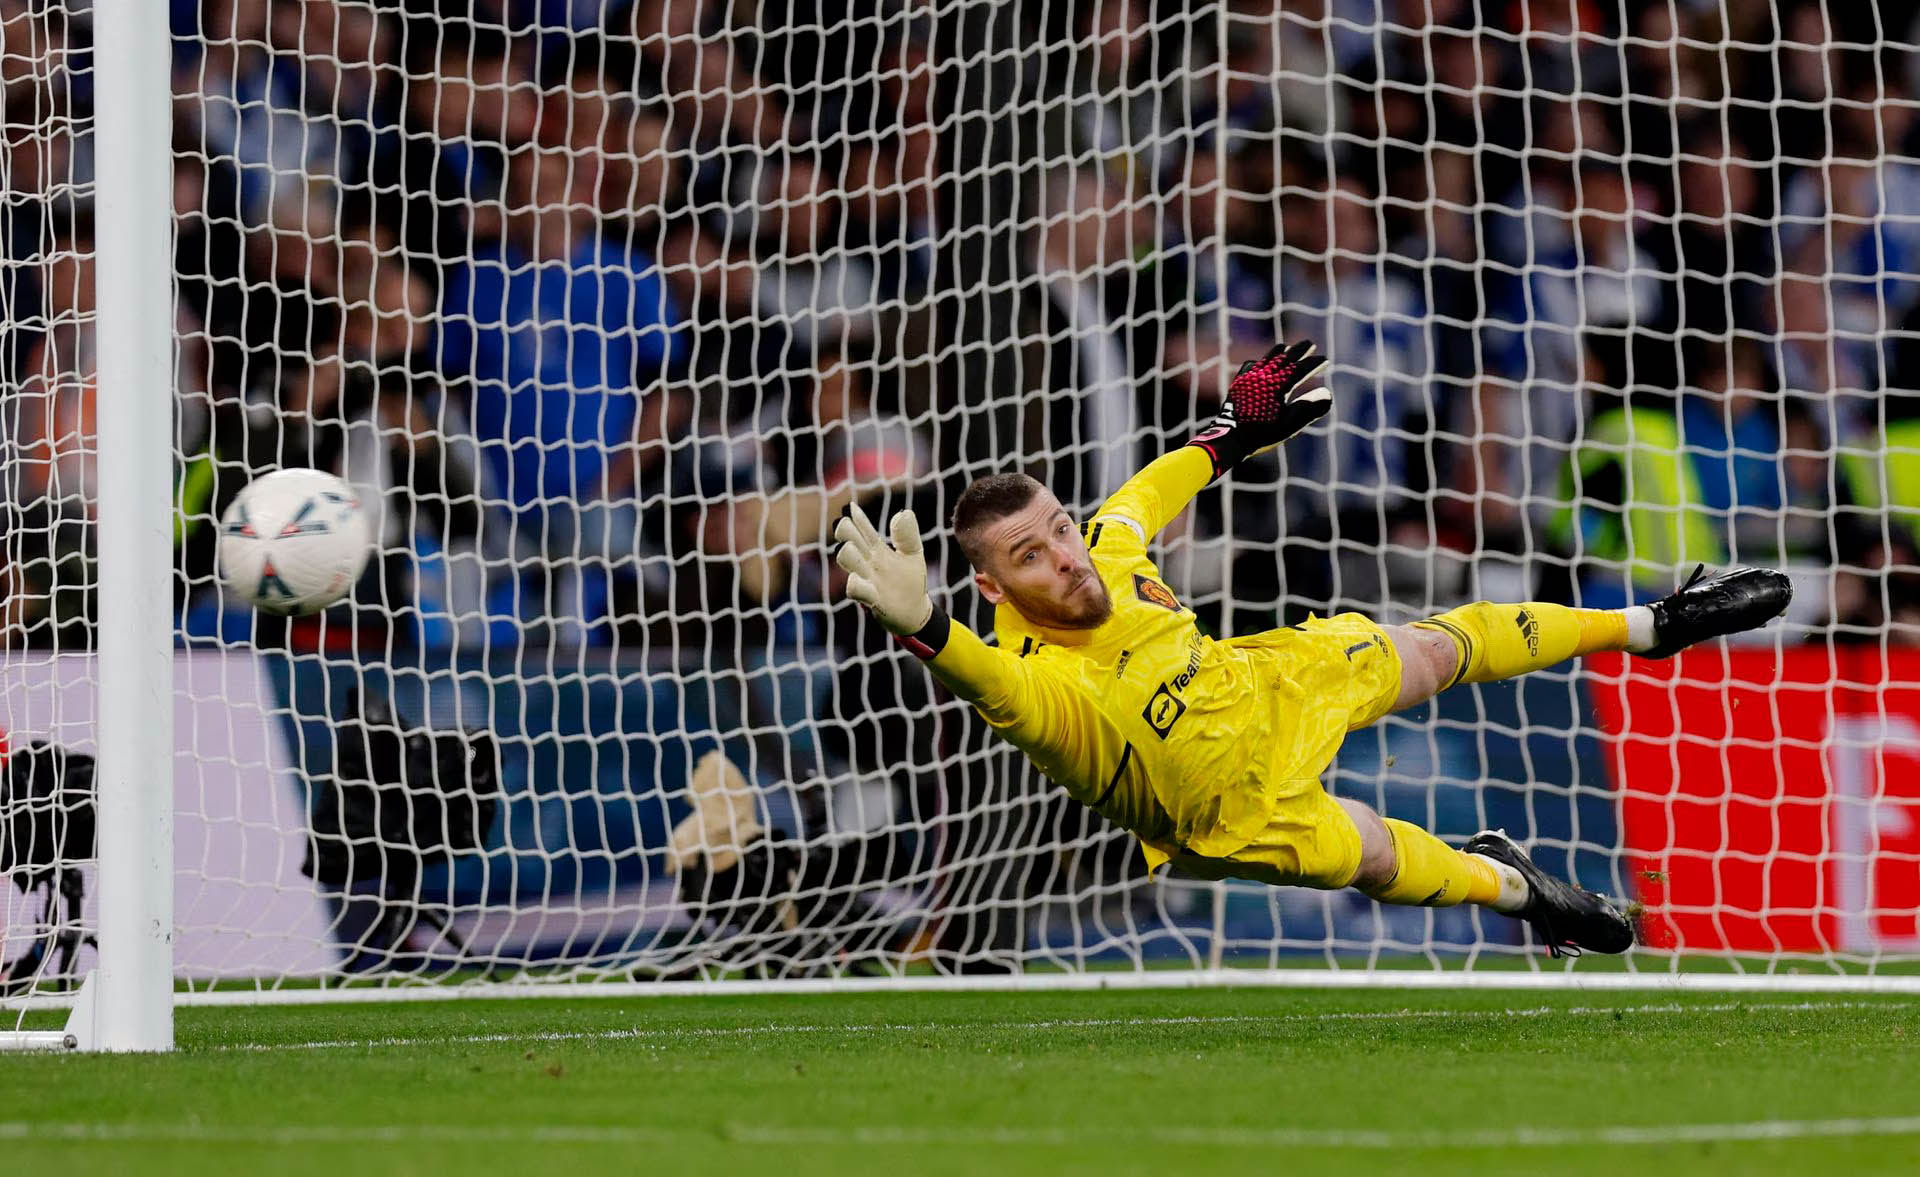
1040 710
1152 498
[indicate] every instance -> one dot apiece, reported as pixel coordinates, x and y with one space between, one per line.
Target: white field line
880 1135
668 1035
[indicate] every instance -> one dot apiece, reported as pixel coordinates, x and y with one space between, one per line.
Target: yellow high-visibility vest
1887 477
1663 527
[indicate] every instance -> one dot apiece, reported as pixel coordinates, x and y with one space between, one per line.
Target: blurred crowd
607 304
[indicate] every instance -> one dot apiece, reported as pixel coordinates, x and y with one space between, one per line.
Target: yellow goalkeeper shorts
1339 672
1323 678
1308 841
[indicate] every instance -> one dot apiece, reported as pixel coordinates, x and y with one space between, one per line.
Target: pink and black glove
1269 401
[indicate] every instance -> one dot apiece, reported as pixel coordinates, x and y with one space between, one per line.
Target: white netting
607 308
47 477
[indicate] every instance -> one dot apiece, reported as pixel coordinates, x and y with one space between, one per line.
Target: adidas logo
1529 631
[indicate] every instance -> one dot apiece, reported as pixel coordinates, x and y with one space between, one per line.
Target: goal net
606 310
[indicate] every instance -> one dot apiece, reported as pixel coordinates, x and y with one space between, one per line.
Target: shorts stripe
1126 754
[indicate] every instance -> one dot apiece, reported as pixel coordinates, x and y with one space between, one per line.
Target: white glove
890 581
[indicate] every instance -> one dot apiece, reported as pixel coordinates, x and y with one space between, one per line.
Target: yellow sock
1433 874
1501 641
1483 887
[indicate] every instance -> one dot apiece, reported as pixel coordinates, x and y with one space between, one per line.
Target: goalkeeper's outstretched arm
891 581
1269 401
1033 707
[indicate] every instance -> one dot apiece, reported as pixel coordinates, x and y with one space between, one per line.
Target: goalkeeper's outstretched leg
1484 642
1400 863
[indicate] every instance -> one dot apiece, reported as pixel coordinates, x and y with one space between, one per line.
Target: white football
294 541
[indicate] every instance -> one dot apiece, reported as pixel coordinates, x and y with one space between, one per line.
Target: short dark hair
988 500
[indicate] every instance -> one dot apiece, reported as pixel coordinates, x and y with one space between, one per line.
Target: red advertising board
1770 801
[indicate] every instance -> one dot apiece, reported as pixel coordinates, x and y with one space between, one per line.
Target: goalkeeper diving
1211 751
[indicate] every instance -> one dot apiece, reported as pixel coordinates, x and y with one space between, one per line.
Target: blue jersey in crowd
556 350
1739 467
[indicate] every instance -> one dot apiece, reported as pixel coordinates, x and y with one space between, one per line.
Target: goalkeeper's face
1036 560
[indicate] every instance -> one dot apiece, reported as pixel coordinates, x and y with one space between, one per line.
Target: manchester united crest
1155 593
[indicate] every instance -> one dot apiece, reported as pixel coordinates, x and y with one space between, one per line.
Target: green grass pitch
1208 1081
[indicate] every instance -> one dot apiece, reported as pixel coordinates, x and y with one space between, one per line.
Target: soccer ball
294 541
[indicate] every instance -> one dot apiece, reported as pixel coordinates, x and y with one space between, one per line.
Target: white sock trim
1514 891
1640 635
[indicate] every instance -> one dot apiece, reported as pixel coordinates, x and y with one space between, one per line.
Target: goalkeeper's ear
988 587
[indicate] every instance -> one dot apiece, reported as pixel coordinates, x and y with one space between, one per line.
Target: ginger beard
1037 561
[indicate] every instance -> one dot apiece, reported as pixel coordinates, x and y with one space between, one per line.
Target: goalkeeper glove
1269 401
890 581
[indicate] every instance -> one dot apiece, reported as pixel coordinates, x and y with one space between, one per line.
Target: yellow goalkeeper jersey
1191 743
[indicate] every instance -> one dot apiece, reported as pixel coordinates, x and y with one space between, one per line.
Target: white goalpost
604 314
126 1002
132 986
